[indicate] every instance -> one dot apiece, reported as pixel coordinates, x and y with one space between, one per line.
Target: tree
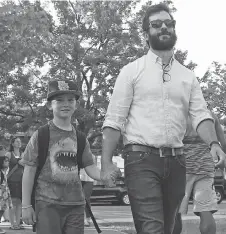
89 43
214 88
24 29
181 56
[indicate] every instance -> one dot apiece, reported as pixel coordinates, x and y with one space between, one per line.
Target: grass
189 227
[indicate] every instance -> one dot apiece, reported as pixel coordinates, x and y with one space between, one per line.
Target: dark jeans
156 187
58 219
178 225
88 189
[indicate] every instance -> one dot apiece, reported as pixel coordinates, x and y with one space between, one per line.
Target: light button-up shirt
151 112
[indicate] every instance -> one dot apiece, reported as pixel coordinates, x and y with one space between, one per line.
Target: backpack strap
81 143
43 141
12 171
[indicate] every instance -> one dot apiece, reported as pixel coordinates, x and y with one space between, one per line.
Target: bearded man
152 99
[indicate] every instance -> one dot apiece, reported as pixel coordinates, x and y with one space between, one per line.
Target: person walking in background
5 198
15 182
87 185
152 99
5 216
199 179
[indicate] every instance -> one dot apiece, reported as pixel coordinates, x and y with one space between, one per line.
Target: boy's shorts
204 195
59 219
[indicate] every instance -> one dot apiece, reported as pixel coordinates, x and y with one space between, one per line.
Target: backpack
43 140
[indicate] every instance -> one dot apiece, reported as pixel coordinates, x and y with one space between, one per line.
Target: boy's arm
220 133
93 171
88 163
29 160
27 184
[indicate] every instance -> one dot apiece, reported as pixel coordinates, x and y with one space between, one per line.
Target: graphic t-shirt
198 158
59 181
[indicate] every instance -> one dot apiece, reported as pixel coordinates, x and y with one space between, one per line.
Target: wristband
26 207
214 142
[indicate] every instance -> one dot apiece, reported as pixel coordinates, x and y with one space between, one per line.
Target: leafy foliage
86 41
214 87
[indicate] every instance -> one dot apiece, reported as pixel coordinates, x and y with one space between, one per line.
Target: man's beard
157 44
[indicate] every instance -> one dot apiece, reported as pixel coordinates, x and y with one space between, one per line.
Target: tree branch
87 51
90 26
84 77
76 14
33 113
100 118
10 113
72 7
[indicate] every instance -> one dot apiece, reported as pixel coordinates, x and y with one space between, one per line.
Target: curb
130 220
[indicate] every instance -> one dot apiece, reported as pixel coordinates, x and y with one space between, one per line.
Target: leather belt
163 151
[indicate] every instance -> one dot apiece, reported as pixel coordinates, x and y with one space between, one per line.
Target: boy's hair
153 10
58 87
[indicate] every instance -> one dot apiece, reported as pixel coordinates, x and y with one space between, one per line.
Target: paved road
28 230
109 212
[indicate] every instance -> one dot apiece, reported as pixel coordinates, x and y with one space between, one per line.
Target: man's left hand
218 155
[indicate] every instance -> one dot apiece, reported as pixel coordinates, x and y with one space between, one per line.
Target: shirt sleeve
87 156
30 155
121 100
197 106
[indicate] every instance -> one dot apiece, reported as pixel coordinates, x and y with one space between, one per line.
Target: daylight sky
201 29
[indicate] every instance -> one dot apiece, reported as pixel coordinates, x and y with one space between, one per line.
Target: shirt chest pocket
179 91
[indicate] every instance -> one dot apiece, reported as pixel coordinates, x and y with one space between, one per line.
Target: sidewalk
130 220
28 230
104 222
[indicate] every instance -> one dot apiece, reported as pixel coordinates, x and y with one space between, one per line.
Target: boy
59 196
199 179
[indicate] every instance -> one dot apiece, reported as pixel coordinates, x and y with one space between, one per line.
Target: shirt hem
62 203
210 174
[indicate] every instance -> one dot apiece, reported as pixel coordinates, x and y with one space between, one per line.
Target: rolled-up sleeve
121 100
30 155
197 106
87 156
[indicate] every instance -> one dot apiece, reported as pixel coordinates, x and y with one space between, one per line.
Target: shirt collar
153 57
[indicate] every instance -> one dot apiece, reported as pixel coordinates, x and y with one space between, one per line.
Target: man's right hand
28 216
109 173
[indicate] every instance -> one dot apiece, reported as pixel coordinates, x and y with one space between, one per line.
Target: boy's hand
109 173
28 216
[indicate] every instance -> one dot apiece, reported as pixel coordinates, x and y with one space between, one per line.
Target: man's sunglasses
158 23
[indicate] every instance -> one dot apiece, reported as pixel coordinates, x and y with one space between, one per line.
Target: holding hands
109 173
